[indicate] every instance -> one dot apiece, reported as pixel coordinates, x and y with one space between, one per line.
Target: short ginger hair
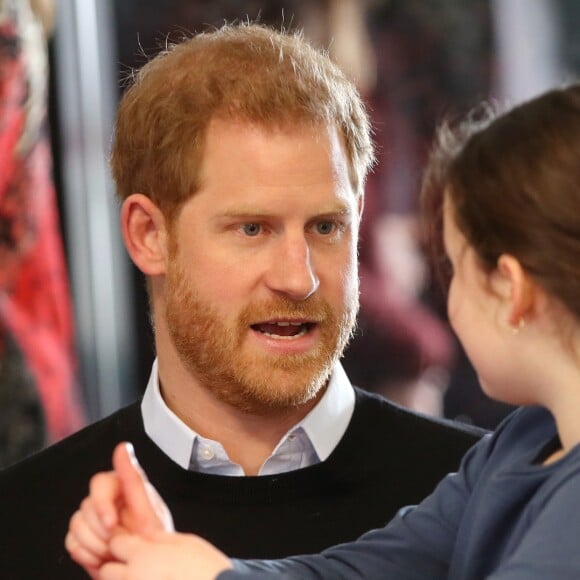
244 72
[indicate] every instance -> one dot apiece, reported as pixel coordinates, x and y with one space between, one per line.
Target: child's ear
515 287
144 233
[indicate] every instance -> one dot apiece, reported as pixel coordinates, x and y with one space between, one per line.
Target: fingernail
134 460
131 452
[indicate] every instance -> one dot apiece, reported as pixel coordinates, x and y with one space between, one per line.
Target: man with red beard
240 157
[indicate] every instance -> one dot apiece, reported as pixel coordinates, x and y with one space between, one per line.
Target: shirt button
291 437
207 453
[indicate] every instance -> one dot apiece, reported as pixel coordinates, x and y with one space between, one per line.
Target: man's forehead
260 144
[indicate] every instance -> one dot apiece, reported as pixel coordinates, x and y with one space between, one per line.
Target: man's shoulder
387 417
87 450
41 493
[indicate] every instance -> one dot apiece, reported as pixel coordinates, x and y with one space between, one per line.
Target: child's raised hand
119 501
92 526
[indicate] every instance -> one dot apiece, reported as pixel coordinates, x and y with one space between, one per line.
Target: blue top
502 516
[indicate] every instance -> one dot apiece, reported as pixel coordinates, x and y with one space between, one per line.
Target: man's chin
280 392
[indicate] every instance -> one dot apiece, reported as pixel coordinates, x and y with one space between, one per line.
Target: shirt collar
328 420
163 426
324 425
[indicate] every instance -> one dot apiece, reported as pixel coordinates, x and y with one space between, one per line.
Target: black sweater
388 458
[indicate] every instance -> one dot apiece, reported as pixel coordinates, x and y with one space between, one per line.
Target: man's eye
251 229
325 228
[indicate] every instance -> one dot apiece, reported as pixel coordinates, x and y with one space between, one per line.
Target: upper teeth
289 323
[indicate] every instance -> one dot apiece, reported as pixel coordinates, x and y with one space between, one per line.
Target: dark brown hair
514 184
244 72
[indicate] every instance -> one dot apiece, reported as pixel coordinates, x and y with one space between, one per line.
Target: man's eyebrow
254 212
338 210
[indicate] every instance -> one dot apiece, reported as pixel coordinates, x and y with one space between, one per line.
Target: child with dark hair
506 189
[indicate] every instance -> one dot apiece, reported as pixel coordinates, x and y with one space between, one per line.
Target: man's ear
144 233
516 287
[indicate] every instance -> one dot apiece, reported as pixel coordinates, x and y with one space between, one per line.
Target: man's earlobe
144 233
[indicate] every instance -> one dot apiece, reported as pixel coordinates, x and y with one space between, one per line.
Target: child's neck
554 456
565 411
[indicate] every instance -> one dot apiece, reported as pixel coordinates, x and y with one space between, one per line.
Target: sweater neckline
342 466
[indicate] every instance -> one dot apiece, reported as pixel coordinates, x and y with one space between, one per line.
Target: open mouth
284 329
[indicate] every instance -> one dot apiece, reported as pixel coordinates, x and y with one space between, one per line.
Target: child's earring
519 325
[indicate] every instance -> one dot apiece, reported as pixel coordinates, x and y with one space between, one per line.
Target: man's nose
291 271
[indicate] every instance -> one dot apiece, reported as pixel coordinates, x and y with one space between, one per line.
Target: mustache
312 309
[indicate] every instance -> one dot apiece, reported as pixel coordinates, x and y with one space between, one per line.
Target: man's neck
248 439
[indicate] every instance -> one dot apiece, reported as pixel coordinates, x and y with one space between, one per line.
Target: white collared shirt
310 441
